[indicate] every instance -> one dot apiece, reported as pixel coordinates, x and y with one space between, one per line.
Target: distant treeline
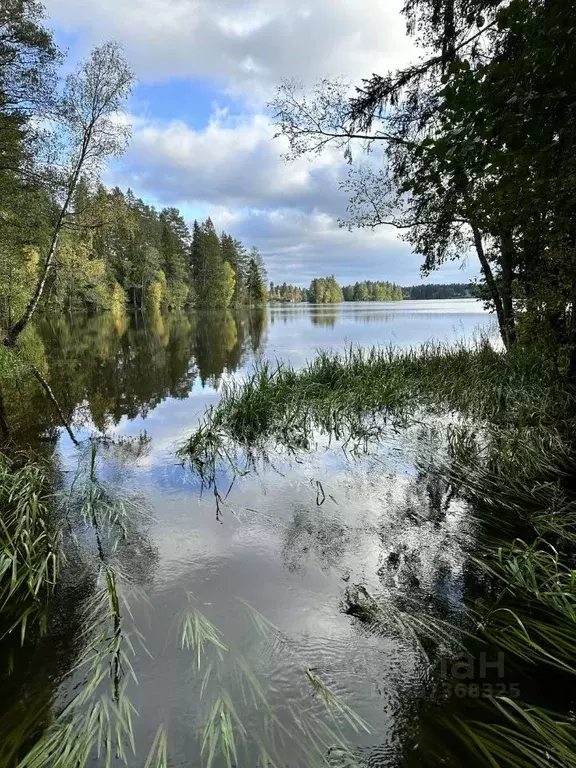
326 290
287 293
369 290
441 291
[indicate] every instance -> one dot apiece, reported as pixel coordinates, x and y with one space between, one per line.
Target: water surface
299 541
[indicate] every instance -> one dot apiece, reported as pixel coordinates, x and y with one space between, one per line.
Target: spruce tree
255 286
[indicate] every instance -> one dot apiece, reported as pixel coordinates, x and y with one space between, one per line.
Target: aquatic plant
97 720
31 553
226 679
507 423
350 396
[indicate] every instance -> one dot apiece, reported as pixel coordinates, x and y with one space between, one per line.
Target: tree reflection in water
107 367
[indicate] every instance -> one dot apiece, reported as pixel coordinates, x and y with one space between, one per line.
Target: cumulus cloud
246 45
231 162
231 166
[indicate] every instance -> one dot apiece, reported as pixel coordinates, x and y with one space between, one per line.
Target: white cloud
230 162
246 45
231 167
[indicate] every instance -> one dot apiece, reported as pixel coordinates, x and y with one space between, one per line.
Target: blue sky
202 134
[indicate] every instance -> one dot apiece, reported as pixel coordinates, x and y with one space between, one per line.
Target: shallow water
298 541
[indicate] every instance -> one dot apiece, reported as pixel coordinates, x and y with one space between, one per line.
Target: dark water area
302 541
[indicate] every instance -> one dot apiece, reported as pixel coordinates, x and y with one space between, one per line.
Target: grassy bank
335 390
510 437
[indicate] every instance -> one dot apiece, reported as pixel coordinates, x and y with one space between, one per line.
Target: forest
326 290
368 290
469 152
440 291
67 242
117 251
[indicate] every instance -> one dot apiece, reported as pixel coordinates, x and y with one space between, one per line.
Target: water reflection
111 367
104 368
384 531
327 317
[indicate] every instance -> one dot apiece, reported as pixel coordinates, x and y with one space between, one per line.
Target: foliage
222 273
477 146
87 132
117 249
368 290
30 546
256 292
287 293
325 290
440 291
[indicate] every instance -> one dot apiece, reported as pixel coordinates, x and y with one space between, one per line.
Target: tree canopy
477 155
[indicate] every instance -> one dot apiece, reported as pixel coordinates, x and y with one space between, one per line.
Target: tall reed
510 439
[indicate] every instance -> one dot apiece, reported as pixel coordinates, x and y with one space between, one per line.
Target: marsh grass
259 732
338 392
99 718
40 529
525 736
508 425
38 541
31 554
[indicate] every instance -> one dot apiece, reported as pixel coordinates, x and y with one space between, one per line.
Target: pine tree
174 240
197 260
215 278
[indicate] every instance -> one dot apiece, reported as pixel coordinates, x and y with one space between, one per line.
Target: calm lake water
301 541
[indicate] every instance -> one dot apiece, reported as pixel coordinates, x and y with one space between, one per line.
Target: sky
203 138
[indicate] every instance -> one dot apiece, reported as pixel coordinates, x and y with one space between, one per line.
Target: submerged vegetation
507 426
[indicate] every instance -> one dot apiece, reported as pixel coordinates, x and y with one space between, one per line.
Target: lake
282 566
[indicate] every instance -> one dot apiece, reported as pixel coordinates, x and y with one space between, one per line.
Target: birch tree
90 129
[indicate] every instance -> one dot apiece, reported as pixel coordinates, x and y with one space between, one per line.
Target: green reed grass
526 736
267 731
510 456
351 396
31 554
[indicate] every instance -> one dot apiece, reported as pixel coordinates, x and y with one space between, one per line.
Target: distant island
441 291
326 290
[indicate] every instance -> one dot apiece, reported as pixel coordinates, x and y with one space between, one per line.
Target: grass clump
351 395
31 553
509 426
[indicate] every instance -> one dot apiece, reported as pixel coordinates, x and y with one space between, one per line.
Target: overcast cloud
221 158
